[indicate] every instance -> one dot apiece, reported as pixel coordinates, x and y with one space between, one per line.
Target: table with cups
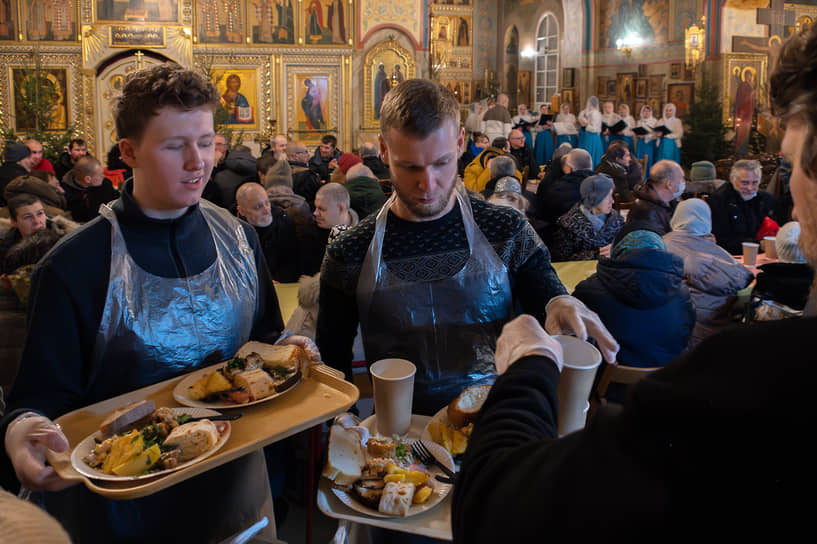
393 386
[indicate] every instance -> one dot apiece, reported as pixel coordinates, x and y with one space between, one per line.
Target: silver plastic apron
154 328
448 327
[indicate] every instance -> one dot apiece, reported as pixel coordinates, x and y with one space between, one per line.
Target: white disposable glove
566 315
523 337
27 439
309 346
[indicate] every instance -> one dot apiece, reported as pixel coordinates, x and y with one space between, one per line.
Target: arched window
547 59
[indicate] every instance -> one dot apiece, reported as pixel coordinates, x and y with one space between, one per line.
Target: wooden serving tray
319 397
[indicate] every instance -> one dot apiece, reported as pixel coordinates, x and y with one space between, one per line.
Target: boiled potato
416 477
123 448
198 390
394 469
422 495
459 442
399 478
217 383
140 462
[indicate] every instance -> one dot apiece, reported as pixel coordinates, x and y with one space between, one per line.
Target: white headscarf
692 216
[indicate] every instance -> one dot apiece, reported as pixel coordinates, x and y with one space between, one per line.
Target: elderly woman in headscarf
590 138
782 288
640 296
587 229
713 276
669 146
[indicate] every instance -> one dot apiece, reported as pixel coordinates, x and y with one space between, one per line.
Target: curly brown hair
793 91
147 91
418 107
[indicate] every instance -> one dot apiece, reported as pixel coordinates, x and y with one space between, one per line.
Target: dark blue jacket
642 300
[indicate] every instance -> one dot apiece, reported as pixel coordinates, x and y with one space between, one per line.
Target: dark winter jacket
62 165
280 246
524 157
735 220
305 182
239 168
577 240
651 209
642 300
9 171
378 167
311 242
561 195
786 283
321 166
84 202
365 195
619 174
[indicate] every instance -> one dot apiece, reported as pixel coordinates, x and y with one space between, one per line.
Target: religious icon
386 65
682 95
743 77
641 87
220 21
272 21
601 86
312 113
136 11
463 38
50 20
238 97
380 87
625 85
655 84
8 15
53 92
326 22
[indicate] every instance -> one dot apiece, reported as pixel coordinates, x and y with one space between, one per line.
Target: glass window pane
550 81
540 63
551 62
553 43
540 95
543 28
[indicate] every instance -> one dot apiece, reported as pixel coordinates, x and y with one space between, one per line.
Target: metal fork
427 458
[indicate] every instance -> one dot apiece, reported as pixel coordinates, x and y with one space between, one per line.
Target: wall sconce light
694 44
528 53
627 43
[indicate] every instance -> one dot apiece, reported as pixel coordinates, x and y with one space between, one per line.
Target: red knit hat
348 160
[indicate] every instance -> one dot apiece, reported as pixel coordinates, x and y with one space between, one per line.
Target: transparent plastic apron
154 328
448 327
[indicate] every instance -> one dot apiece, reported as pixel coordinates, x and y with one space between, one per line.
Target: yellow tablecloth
287 298
570 273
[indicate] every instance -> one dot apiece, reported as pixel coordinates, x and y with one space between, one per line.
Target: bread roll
345 457
193 439
464 409
257 383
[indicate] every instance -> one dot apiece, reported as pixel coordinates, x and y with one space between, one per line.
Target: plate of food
257 374
451 426
379 476
140 441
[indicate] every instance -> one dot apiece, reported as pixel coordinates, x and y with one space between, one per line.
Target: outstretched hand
566 315
27 440
523 337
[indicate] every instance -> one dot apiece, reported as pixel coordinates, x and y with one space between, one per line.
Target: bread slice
396 499
127 417
345 456
289 355
464 409
193 439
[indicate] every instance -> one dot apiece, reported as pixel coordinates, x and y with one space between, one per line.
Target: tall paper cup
750 253
581 362
769 247
393 385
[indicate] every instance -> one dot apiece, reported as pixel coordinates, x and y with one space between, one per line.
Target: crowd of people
423 245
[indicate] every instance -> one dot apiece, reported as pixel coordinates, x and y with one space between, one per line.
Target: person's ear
384 150
127 150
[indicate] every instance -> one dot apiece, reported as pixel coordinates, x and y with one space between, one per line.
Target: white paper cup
393 385
581 362
750 253
769 247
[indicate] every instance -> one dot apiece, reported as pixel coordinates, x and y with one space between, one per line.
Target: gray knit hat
279 174
16 151
508 184
785 243
594 189
702 171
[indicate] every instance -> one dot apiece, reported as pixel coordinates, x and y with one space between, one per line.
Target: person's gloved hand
566 314
305 342
523 337
27 439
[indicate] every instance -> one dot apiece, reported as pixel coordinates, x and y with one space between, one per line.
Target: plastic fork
427 458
